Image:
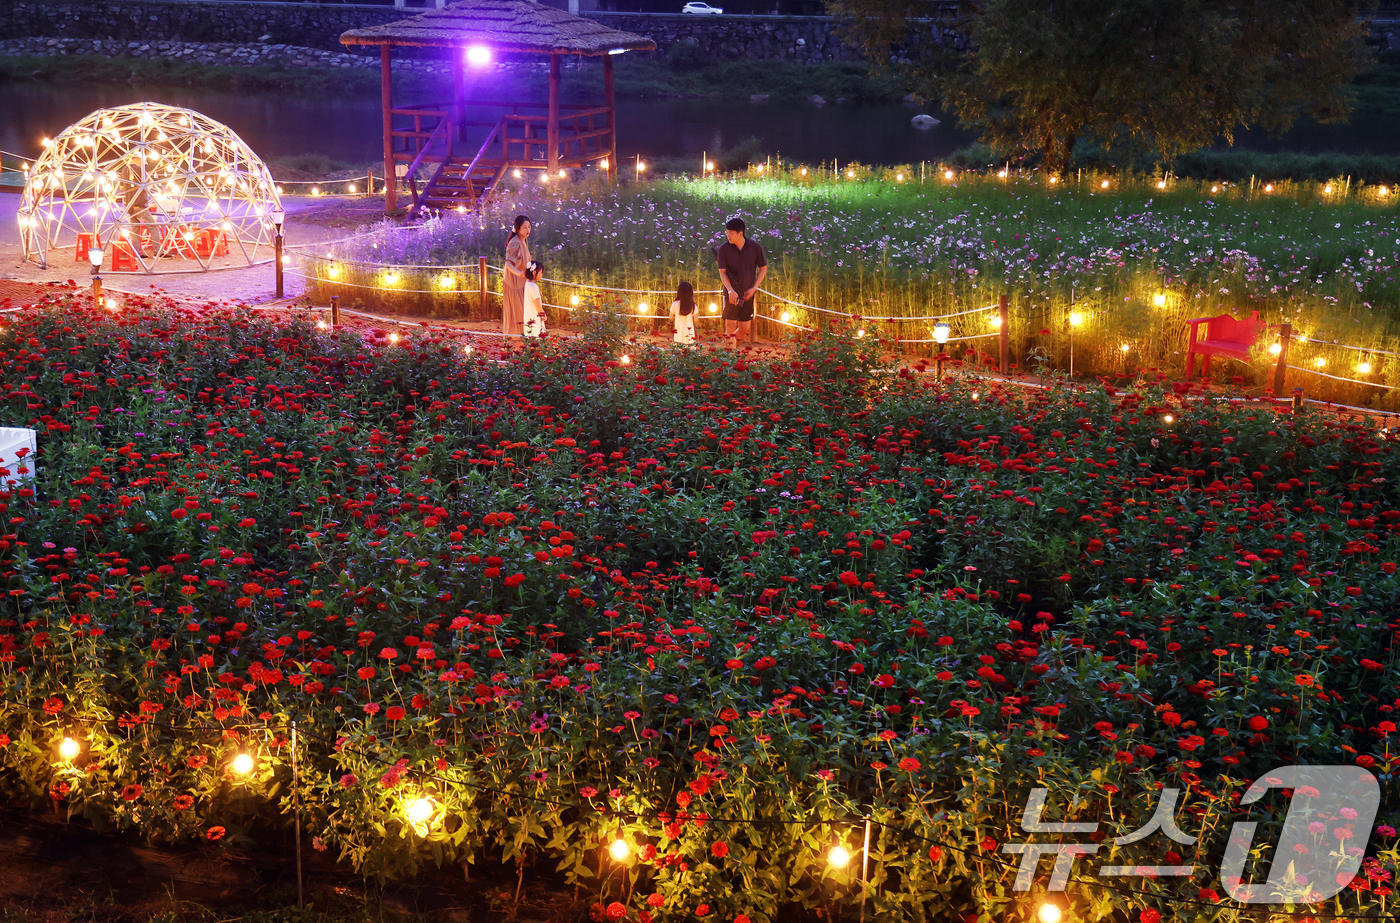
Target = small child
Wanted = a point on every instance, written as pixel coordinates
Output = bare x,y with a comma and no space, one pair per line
683,315
534,304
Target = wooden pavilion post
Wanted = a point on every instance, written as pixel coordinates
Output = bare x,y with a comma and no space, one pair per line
387,101
552,130
609,100
459,94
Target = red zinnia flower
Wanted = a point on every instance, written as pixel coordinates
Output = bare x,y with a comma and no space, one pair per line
720,849
394,712
215,833
131,792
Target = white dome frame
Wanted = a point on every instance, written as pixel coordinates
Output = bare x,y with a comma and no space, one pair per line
160,180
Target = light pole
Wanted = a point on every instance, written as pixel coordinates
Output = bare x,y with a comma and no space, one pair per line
279,215
940,336
95,255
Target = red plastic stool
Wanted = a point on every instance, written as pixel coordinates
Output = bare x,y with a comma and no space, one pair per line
86,242
123,257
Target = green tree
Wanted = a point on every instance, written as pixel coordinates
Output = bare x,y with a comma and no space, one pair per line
1167,75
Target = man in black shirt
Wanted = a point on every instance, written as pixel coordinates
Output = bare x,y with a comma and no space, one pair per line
742,267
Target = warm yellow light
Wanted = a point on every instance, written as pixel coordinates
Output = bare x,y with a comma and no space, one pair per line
1104,184
625,360
709,165
111,304
1276,348
947,174
315,190
391,278
1168,418
1383,191
1214,188
420,811
46,142
352,187
603,164
242,764
1161,184
515,173
1125,347
619,849
1054,180
761,166
1327,189
286,257
447,282
899,177
1268,187
804,171
1048,913
974,395
786,317
333,272
860,333
1160,299
279,190
643,308
1075,319
995,320
563,174
574,301
641,166
1364,368
1319,362
467,349
320,325
850,174
839,857
1002,174
713,307
544,177
69,749
393,338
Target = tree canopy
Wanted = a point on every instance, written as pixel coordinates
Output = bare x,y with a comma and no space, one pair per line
1168,75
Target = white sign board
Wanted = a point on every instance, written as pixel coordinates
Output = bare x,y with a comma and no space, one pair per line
12,441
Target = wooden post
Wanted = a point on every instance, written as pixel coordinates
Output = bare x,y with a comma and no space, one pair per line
481,283
1297,399
1004,311
552,130
609,100
277,260
369,182
335,310
459,96
386,95
1285,333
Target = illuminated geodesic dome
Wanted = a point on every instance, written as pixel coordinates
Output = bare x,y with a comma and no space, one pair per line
157,188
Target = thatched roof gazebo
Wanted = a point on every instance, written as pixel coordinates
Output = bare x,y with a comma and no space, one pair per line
475,31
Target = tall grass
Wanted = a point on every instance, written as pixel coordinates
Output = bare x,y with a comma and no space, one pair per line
1091,265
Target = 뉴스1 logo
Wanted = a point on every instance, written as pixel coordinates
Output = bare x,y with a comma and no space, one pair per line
1320,848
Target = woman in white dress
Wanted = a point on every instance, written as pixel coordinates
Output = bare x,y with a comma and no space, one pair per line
534,305
683,315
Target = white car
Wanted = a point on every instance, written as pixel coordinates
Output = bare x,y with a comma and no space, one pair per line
701,9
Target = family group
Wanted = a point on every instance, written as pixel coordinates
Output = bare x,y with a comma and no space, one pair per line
742,267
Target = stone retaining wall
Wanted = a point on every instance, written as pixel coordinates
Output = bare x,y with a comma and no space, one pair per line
211,53
808,39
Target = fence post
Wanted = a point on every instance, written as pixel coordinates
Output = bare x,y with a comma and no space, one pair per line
481,284
1004,311
1285,333
1297,399
335,310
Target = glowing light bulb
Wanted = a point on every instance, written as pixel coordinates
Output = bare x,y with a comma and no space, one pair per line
515,173
1048,913
447,282
1103,185
69,749
333,272
467,349
1075,319
643,308
1125,347
1161,184
713,307
563,174
804,171
1320,362
1383,191
46,142
574,300
641,166
320,325
709,165
603,164
1168,418
544,177
420,811
1327,190
352,187
899,177
839,857
315,190
1001,173
1214,188
478,55
1268,187
995,320
860,333
850,174
391,278
393,338
279,190
242,764
625,360
1364,368
1276,348
1160,299
619,849
786,317
974,395
947,174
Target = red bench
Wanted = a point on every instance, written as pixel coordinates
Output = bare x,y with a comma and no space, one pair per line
1224,336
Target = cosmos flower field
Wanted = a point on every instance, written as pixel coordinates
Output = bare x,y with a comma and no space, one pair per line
718,606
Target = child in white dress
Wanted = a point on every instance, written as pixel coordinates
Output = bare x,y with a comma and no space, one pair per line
534,304
683,315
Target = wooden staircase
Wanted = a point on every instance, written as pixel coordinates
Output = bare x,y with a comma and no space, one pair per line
461,185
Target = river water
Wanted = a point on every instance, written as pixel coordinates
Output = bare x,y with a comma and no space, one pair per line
348,129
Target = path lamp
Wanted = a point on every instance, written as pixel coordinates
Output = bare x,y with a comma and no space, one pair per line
940,336
279,215
95,255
